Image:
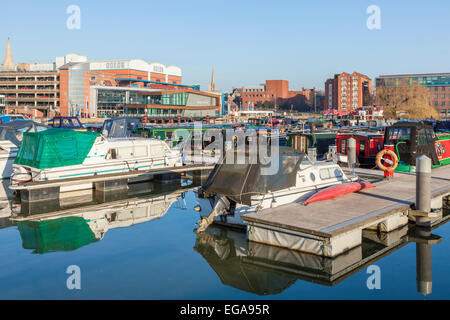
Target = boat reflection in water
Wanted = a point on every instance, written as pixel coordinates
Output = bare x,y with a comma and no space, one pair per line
72,228
264,269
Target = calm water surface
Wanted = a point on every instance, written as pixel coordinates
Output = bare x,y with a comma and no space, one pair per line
146,248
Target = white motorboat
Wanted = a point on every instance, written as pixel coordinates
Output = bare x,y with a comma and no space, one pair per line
233,190
62,154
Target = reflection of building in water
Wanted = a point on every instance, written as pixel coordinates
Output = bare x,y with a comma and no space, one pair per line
73,228
264,269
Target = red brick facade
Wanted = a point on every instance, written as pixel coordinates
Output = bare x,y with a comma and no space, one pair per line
346,92
273,90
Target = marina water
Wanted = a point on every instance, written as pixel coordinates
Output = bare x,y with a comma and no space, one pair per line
156,254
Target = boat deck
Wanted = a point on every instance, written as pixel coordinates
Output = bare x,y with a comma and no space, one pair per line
319,227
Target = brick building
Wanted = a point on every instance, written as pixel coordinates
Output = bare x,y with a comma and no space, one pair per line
347,91
276,91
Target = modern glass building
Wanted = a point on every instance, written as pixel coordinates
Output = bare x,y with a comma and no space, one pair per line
171,106
438,85
153,104
432,79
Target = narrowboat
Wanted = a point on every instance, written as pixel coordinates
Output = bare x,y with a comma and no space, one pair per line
409,139
414,139
301,141
367,147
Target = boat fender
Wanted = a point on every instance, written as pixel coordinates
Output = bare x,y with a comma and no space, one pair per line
393,163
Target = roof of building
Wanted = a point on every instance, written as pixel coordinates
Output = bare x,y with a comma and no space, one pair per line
414,75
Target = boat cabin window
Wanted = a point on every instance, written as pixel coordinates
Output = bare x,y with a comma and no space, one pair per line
431,135
330,173
422,137
343,146
127,152
399,134
324,174
56,123
112,154
362,146
425,137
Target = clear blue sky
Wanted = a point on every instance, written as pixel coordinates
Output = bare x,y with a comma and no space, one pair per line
247,41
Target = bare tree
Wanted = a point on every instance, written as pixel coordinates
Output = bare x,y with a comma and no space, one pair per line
406,102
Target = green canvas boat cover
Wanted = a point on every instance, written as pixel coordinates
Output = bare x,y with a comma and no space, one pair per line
63,234
55,148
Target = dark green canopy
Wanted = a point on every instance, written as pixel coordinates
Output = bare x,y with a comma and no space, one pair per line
55,148
63,234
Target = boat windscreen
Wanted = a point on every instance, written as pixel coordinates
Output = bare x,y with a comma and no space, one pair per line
14,131
240,182
121,127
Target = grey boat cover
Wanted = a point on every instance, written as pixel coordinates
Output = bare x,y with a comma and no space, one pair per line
13,131
239,182
122,127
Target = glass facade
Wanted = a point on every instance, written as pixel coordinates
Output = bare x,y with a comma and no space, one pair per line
76,96
111,102
169,113
426,80
174,99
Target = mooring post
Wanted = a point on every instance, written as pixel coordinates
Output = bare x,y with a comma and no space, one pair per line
351,155
423,264
423,189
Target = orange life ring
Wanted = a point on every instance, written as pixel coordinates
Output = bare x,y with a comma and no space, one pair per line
380,156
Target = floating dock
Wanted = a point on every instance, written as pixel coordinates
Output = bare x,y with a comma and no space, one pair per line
332,227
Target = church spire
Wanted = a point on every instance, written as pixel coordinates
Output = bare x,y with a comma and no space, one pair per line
212,85
8,62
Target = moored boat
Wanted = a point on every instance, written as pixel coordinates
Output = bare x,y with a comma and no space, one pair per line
236,189
61,154
414,139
